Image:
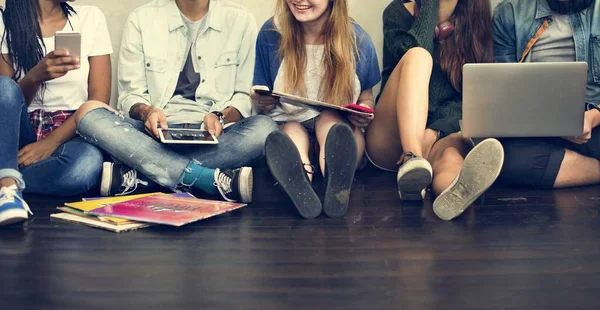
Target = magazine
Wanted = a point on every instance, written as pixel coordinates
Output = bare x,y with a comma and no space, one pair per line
166,210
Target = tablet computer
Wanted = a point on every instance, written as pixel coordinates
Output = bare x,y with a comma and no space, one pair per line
186,136
318,105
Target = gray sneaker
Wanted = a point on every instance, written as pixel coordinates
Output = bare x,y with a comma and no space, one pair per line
480,170
414,176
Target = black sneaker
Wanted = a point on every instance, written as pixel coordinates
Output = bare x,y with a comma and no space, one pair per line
119,180
235,185
340,166
287,168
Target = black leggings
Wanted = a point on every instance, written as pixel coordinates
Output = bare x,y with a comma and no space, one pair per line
534,162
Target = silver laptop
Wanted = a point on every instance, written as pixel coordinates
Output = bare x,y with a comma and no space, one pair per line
524,99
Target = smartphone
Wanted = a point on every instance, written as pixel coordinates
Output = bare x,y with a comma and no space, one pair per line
70,41
359,108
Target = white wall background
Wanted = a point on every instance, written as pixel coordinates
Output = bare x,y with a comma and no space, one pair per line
366,12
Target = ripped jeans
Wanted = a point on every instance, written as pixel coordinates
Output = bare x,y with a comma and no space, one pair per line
241,144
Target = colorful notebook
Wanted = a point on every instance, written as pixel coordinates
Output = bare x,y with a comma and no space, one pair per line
94,222
95,204
166,210
182,195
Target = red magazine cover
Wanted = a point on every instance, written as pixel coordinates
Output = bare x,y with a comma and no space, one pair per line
167,210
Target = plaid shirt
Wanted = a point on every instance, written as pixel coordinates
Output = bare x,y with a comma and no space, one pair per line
44,123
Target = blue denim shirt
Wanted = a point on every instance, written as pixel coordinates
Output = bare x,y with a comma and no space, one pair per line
516,22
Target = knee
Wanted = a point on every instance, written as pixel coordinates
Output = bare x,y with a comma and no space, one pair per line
11,97
264,125
293,128
257,129
329,116
419,56
85,108
448,157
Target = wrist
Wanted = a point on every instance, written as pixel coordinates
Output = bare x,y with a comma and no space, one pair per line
220,116
231,115
53,140
596,114
32,76
140,111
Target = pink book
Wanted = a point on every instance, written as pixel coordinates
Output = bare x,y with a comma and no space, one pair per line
167,210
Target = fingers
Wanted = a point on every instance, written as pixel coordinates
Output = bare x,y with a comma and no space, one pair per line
162,119
218,129
26,158
155,119
64,61
360,121
152,124
209,125
266,103
57,53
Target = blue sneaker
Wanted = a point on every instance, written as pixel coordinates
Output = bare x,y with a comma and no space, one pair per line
13,208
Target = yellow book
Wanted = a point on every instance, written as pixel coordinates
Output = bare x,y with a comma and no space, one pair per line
95,204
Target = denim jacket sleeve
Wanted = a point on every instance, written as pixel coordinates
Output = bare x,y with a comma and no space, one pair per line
245,71
505,41
132,83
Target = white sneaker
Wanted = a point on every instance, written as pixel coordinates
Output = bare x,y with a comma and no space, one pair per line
480,170
414,176
13,208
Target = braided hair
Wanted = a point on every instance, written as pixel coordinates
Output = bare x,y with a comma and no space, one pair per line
23,35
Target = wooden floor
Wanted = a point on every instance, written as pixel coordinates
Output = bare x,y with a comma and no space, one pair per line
516,249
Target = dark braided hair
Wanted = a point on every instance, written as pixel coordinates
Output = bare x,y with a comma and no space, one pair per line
23,35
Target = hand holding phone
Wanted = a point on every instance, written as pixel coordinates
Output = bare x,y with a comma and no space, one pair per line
54,65
261,97
360,121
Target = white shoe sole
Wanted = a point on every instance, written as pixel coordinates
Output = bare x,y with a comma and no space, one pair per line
413,178
12,216
246,184
107,175
480,170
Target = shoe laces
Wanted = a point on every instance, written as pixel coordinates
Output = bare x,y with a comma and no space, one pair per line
131,182
223,183
10,193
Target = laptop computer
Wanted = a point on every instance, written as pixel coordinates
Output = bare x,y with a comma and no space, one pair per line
524,99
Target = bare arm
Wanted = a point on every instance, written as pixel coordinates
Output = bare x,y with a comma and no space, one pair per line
366,98
99,80
28,86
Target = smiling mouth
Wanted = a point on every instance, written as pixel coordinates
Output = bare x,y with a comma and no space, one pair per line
302,7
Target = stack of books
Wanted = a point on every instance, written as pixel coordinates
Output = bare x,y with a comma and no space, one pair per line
126,213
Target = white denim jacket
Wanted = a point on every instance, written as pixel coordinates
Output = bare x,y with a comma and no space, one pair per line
153,53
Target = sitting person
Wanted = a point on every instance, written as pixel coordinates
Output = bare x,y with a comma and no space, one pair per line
183,64
39,152
564,31
417,118
314,50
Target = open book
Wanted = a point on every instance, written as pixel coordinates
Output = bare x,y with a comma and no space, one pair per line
308,103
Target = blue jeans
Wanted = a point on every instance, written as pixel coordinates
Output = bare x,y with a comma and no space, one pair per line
241,144
72,169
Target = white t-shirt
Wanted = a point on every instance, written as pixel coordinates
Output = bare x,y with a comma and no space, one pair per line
71,91
286,112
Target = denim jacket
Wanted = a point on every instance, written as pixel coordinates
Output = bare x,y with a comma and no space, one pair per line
518,23
153,53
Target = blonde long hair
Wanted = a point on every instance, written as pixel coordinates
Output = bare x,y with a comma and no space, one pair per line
339,56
